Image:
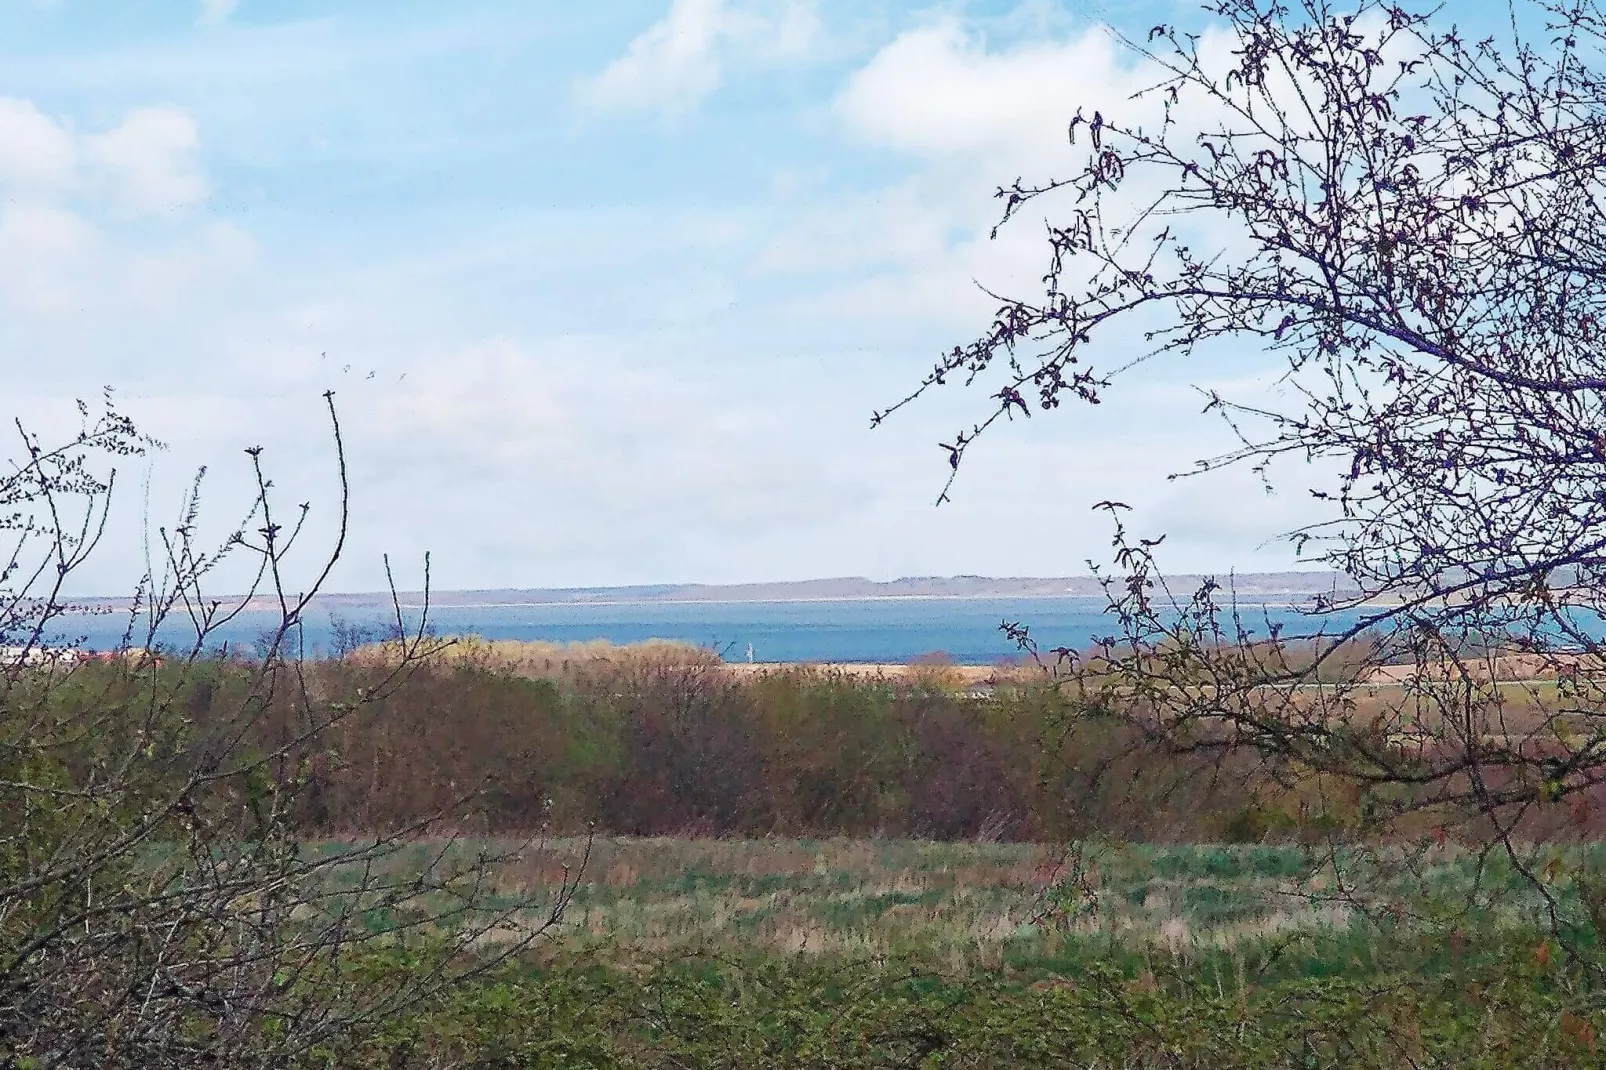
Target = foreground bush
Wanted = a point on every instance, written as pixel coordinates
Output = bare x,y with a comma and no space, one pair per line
660,745
665,741
158,904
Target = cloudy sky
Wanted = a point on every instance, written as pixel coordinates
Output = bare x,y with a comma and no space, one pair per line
607,292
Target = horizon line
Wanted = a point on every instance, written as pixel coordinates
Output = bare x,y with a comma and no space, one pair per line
672,587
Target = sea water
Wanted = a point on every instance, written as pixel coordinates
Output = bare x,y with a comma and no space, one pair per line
965,630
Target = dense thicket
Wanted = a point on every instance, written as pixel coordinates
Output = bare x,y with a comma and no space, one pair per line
158,904
660,748
668,746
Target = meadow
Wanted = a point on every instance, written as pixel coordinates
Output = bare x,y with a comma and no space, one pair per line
853,952
812,867
1028,911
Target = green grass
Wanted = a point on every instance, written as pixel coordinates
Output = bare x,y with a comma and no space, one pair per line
847,953
1029,910
805,1012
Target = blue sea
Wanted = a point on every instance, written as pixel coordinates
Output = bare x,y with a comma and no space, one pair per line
967,631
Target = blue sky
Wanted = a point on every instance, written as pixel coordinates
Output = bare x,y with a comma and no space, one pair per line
607,292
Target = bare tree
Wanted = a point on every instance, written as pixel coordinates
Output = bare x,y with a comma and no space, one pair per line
158,905
1410,225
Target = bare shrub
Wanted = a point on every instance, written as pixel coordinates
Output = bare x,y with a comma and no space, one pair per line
1406,222
159,905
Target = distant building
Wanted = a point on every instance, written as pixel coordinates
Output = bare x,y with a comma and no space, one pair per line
37,655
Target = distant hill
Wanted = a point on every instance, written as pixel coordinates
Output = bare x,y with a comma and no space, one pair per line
1254,585
1249,586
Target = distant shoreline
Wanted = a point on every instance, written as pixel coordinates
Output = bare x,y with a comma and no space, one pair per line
1278,600
1283,589
1270,599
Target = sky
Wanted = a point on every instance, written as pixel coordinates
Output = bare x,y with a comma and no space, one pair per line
607,292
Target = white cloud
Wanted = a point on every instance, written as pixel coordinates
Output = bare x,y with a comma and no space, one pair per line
148,162
66,195
939,92
796,30
942,92
672,66
37,153
678,61
969,117
216,12
47,256
150,159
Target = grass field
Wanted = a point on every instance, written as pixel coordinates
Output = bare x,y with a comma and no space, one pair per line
812,869
1029,910
855,952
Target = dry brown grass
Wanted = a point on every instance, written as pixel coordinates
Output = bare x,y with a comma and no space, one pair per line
967,904
918,673
548,660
